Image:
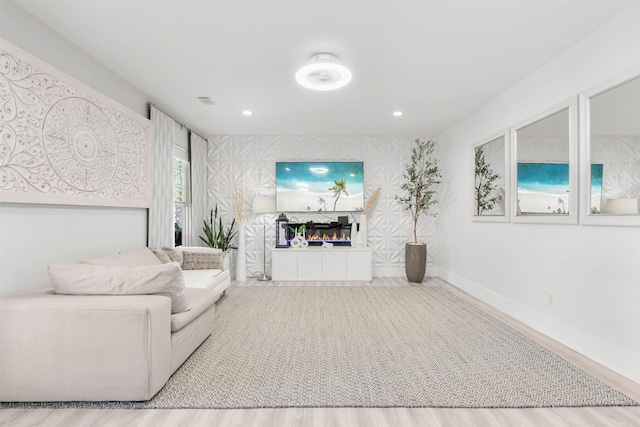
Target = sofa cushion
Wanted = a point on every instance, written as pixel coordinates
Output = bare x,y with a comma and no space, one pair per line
198,260
86,279
204,278
162,255
174,255
200,300
134,258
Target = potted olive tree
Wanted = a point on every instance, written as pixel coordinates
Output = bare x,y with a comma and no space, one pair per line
421,175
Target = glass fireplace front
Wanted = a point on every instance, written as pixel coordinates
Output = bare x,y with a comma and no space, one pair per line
317,233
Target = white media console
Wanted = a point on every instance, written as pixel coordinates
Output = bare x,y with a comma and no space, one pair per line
339,263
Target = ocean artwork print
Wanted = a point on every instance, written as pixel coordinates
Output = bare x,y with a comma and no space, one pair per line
319,186
596,187
543,188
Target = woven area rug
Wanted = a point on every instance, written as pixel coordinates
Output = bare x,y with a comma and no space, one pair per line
276,347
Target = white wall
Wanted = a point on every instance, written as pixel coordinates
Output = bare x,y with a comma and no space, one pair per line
249,163
593,271
33,236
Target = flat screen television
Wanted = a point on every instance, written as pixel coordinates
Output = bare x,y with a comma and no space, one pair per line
319,186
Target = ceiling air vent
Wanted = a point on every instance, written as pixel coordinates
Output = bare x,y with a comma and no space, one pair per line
206,100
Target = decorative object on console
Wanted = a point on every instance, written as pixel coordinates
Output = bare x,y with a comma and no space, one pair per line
354,233
262,205
282,231
65,143
298,240
420,176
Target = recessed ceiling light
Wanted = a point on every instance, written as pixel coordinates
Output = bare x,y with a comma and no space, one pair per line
323,73
397,113
246,113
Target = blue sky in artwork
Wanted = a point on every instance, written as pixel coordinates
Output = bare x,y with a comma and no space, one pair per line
317,177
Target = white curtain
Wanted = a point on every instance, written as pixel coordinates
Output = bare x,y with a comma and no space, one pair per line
198,208
161,210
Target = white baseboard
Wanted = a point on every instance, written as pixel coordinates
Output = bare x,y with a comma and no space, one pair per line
595,348
399,272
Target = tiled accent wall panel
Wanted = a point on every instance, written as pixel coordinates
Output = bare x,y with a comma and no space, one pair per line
248,163
620,156
543,149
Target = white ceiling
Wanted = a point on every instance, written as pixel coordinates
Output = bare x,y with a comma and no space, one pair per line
437,61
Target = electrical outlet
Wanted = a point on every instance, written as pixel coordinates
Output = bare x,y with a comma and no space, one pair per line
551,298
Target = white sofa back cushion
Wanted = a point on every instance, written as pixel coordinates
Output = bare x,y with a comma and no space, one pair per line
86,279
134,258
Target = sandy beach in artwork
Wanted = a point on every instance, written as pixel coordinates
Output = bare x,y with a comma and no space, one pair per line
537,202
302,201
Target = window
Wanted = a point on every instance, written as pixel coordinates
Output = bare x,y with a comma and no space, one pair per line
180,196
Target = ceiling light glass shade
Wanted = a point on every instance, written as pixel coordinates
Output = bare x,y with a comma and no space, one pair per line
323,73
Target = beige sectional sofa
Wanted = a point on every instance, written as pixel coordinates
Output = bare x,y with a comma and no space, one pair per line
101,347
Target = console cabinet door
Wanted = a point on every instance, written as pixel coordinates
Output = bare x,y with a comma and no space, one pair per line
284,265
334,266
309,265
359,265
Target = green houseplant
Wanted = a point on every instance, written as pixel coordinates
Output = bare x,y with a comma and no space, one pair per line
216,234
421,175
485,183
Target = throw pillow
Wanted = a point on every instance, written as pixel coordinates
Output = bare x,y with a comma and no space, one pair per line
202,260
86,279
134,258
162,255
174,255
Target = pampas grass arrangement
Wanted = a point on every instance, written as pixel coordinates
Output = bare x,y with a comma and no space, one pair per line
372,201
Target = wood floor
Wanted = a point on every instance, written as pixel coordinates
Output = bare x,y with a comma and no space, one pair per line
370,417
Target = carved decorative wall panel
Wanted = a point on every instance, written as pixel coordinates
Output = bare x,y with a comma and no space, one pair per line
61,142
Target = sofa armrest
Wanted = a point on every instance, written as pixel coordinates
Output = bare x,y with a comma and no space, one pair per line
75,347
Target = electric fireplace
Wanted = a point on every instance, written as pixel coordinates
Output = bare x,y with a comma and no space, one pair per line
317,233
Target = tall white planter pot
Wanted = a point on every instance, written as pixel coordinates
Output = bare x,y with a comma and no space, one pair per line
361,239
241,253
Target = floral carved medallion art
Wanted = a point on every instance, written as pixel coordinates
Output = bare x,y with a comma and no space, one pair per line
62,142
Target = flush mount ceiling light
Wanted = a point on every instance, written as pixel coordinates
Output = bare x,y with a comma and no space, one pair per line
323,73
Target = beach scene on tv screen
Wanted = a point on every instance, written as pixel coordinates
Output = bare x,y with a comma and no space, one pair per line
320,186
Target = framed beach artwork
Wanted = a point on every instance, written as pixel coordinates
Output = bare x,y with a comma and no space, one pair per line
320,186
543,188
64,143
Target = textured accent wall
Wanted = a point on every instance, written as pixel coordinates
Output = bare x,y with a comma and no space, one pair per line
620,156
248,163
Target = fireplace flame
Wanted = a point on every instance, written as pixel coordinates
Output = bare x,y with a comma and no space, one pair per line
326,237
